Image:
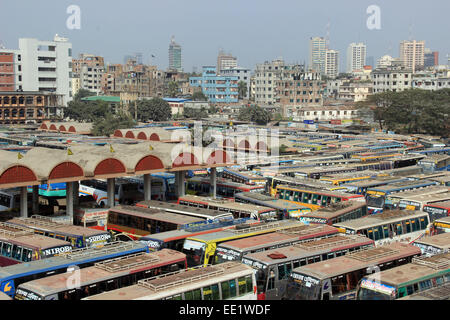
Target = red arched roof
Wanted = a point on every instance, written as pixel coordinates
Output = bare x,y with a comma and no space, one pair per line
53,127
228,143
62,128
17,174
72,129
43,126
244,144
142,136
218,156
154,137
118,133
64,170
148,163
109,166
129,134
185,159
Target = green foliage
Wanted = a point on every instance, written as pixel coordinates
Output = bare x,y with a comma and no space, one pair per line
173,89
199,96
86,111
83,93
155,109
195,113
255,114
107,124
411,111
213,109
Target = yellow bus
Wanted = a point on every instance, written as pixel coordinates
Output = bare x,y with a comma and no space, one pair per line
339,179
201,249
299,182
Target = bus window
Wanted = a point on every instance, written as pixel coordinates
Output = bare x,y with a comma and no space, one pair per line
296,196
271,282
27,255
380,232
370,234
314,198
408,226
16,252
424,285
399,229
282,272
423,223
207,293
415,224
302,262
386,232
6,249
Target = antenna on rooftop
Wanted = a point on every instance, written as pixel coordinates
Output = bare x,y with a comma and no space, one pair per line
327,39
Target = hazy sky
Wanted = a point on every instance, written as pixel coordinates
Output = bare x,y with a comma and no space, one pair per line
252,30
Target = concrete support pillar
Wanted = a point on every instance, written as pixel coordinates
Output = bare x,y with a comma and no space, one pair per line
147,186
182,180
35,206
69,199
76,193
213,183
24,202
179,183
111,193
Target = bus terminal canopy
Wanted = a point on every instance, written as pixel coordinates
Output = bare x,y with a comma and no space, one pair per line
43,165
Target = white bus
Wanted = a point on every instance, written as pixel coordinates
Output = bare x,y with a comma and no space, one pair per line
125,191
10,199
226,281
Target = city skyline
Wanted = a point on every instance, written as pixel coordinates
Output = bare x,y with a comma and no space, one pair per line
253,37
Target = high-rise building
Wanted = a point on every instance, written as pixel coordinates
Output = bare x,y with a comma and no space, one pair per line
265,81
356,57
412,54
225,61
431,58
331,63
175,56
44,66
317,50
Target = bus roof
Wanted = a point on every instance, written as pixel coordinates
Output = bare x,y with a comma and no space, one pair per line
403,185
269,201
440,240
440,204
441,292
357,260
338,194
436,158
422,267
379,181
306,249
385,217
37,241
189,279
335,209
436,197
174,207
105,270
445,220
109,250
349,175
307,182
155,214
433,189
222,181
225,203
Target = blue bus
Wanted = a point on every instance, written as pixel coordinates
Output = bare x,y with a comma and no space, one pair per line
12,276
430,151
51,190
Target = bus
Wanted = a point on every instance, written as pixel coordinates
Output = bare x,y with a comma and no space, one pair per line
340,179
437,162
336,212
431,151
243,177
421,274
376,197
103,276
131,222
95,218
237,249
125,191
441,225
226,281
418,202
285,209
12,276
389,226
201,249
224,188
393,200
237,209
175,239
438,210
316,173
272,267
440,292
10,200
51,190
338,279
18,244
162,185
203,213
434,245
78,236
360,187
299,182
314,198
442,180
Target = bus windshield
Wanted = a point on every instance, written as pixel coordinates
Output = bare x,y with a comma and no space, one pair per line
225,254
375,201
22,294
373,290
306,289
194,251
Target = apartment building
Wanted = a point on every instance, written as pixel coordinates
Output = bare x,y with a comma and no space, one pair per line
391,79
242,74
265,79
317,50
89,69
225,61
412,54
331,63
356,57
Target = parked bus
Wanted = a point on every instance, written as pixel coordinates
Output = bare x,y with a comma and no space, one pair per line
441,225
125,191
437,162
10,200
132,222
431,151
434,245
18,244
203,213
336,212
338,279
227,281
442,180
376,197
51,190
201,249
238,210
440,292
438,210
224,188
175,239
237,249
78,236
12,276
103,276
314,198
360,187
299,183
285,209
393,200
162,185
272,267
421,274
316,173
95,218
243,177
389,226
340,179
418,202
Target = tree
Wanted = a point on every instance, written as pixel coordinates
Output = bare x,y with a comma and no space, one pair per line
242,89
195,113
106,125
199,96
173,89
255,114
213,109
155,109
86,111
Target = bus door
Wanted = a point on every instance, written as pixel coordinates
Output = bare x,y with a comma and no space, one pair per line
271,291
326,290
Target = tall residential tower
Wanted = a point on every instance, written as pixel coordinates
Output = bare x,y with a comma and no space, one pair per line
175,56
